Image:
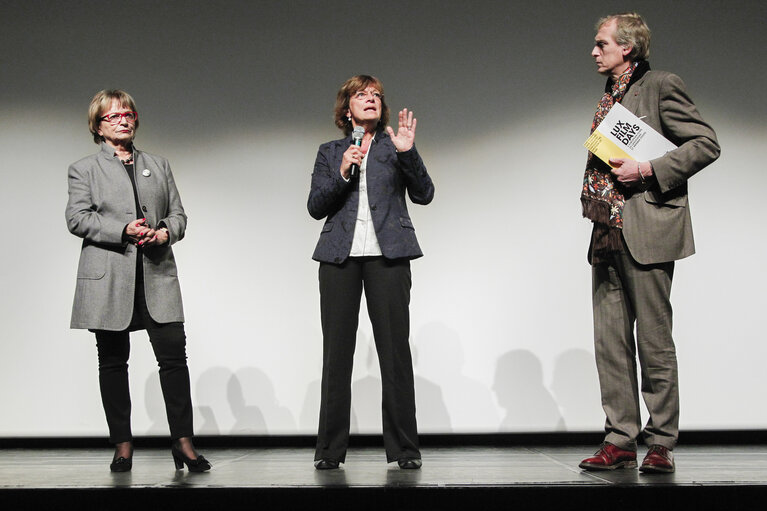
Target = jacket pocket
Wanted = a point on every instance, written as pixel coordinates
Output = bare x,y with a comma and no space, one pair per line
670,199
93,263
159,261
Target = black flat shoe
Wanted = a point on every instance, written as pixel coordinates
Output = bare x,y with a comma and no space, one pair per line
200,464
409,463
120,463
326,464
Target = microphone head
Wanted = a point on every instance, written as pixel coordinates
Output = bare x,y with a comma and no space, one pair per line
358,133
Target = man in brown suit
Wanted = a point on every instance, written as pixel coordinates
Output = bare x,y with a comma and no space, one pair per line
641,226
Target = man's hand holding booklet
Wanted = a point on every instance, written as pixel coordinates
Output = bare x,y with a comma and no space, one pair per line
622,134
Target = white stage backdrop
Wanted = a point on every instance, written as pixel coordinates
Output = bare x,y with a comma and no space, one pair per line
239,95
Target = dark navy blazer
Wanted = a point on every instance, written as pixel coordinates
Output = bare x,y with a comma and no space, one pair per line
388,175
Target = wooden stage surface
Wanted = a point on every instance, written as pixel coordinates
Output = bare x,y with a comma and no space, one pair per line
478,477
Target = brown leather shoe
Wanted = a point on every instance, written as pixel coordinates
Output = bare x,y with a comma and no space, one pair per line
610,457
659,459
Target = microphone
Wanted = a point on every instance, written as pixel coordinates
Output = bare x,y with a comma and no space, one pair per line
357,135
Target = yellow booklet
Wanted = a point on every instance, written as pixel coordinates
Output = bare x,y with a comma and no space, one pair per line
622,134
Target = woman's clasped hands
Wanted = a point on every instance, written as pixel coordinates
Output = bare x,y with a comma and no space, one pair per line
141,235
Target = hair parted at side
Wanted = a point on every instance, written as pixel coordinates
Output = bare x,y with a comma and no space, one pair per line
351,86
101,103
630,30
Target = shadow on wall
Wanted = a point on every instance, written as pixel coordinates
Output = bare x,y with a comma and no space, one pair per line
364,390
432,413
366,415
576,389
520,391
256,414
518,386
441,385
155,405
209,394
253,406
310,411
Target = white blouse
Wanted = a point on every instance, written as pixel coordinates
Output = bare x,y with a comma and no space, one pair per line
365,242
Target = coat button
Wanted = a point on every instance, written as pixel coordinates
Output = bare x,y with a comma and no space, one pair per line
373,207
143,208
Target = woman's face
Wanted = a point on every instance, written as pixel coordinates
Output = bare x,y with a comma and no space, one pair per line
365,106
121,130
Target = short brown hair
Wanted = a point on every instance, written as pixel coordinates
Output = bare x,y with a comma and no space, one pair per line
630,30
350,86
100,103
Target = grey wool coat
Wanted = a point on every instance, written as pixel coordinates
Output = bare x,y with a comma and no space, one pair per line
389,175
656,222
101,203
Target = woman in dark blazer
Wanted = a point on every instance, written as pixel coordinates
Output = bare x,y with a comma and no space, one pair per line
367,241
124,204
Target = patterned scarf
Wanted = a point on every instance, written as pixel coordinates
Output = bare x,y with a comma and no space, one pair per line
602,198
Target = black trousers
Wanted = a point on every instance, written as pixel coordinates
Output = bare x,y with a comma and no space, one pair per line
169,344
387,292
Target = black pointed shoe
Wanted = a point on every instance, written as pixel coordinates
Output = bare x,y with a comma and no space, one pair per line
326,464
409,463
121,463
199,464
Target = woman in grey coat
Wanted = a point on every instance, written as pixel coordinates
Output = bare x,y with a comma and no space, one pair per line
124,203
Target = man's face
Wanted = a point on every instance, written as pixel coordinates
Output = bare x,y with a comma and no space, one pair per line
611,58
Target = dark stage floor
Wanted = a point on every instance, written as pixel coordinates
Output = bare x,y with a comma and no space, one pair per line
707,477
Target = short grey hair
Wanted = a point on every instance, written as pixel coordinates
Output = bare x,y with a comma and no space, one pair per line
630,30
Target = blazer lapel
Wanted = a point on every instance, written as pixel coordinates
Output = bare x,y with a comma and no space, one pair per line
115,179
